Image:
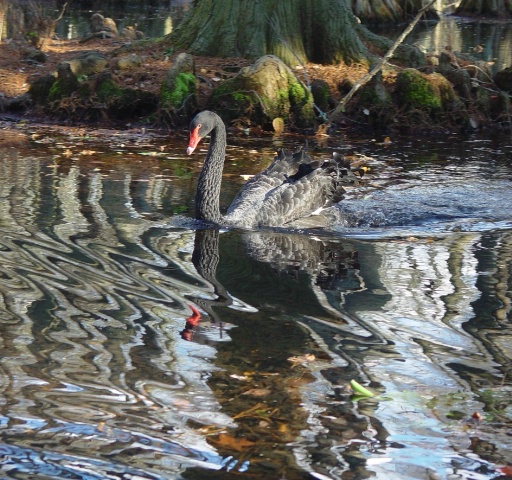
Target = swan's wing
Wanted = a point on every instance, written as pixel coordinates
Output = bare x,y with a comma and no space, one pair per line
292,187
254,193
296,200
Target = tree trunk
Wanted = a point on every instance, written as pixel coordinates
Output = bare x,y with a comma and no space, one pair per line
3,13
297,31
497,8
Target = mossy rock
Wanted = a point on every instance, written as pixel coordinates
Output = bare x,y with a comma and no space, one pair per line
100,24
39,89
444,89
410,55
133,103
433,95
263,91
127,62
322,94
35,55
179,90
65,84
233,99
415,91
374,93
184,86
105,88
503,79
119,102
87,64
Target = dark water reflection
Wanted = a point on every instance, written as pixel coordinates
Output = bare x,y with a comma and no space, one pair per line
97,380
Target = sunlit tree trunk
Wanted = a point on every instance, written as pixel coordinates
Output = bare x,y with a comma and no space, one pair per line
321,31
3,13
498,8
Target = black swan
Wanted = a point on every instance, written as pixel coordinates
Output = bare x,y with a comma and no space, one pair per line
292,187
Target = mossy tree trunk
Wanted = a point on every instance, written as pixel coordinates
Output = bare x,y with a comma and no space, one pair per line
498,8
321,31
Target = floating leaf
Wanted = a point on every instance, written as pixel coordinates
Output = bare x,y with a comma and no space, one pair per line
235,443
278,124
477,416
302,359
357,387
257,392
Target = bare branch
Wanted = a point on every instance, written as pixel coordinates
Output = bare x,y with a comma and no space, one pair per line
378,67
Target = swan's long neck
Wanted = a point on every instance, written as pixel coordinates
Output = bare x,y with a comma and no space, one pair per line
208,185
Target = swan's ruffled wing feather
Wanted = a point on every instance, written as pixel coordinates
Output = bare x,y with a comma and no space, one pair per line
292,187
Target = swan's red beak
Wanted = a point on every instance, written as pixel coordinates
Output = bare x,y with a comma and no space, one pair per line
194,140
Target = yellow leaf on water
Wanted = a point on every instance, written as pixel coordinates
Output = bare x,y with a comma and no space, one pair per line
278,124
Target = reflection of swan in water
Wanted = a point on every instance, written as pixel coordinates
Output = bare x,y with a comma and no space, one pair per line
293,186
206,259
330,265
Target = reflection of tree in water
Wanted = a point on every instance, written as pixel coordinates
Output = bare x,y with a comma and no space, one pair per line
491,325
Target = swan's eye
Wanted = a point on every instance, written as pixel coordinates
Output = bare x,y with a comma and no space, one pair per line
199,126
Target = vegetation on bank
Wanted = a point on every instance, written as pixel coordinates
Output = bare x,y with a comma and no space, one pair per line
444,92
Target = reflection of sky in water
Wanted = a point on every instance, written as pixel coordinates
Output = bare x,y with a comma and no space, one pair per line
464,36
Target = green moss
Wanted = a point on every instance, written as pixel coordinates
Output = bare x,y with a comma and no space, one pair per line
184,86
301,105
60,89
298,94
416,91
233,99
321,94
107,90
241,97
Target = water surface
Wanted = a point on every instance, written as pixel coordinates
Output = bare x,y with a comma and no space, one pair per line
105,372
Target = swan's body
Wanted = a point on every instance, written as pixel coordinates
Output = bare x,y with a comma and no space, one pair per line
293,186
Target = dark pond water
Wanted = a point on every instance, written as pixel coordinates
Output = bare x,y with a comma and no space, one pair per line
106,373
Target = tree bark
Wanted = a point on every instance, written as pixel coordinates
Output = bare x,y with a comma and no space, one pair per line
4,4
297,31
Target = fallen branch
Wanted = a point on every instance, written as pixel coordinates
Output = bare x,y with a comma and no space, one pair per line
378,67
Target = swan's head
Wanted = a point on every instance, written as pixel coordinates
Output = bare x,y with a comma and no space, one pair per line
202,124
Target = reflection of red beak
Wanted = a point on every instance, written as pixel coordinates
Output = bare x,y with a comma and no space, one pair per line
194,140
195,318
187,335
